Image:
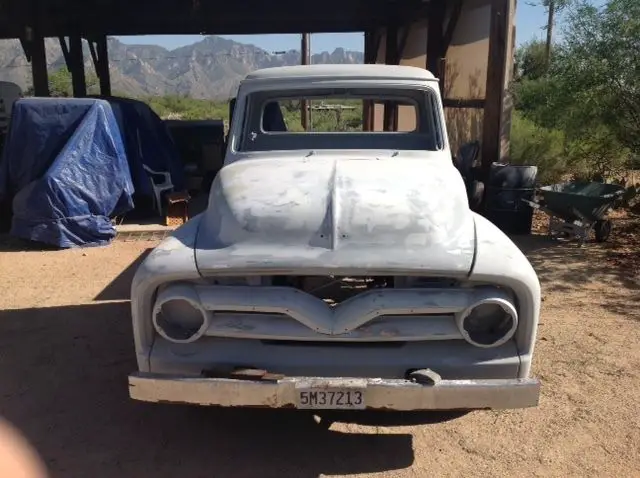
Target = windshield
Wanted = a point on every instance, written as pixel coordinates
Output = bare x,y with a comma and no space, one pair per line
355,118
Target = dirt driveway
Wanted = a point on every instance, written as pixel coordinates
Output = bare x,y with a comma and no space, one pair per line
66,350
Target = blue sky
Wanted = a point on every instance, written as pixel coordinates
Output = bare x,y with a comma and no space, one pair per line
529,21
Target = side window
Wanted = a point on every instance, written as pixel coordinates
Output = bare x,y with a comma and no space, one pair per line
244,112
232,107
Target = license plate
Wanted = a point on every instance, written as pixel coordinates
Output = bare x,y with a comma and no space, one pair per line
331,398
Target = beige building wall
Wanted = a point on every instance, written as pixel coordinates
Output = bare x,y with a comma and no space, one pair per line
466,71
465,74
415,54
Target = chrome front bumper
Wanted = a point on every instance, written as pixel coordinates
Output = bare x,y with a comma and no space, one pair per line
387,394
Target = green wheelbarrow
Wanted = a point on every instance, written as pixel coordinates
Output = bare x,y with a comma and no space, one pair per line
577,208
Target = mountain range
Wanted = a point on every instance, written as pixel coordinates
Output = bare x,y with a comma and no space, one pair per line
208,69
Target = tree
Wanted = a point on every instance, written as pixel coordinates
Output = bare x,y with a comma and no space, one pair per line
535,93
530,61
598,66
590,90
553,7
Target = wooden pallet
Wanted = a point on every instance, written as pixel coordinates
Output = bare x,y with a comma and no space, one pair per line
142,236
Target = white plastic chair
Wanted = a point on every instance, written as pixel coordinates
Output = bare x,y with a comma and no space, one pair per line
158,189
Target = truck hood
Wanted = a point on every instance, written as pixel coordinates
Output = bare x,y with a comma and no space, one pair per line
321,215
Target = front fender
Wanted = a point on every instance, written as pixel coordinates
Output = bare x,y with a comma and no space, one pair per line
172,260
499,261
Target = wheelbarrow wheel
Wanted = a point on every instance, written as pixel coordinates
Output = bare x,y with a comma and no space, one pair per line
602,230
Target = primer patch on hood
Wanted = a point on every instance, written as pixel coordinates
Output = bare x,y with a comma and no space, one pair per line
339,212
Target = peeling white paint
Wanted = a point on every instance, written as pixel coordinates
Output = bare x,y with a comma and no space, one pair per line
378,393
404,212
355,212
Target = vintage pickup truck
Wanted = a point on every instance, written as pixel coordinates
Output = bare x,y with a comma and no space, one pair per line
337,269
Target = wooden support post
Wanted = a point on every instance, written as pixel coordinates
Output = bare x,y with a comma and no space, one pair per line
39,72
76,66
94,54
370,56
100,56
102,68
435,35
447,37
392,57
64,47
442,76
403,41
304,105
495,88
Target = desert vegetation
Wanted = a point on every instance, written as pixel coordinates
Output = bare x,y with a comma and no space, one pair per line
577,103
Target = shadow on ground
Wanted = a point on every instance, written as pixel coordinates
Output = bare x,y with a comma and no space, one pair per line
120,287
64,370
63,373
566,268
9,243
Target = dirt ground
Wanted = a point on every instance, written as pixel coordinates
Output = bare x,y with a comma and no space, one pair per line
66,350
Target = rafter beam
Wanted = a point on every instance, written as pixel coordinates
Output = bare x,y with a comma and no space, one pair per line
36,53
76,66
451,26
98,17
435,35
64,46
102,67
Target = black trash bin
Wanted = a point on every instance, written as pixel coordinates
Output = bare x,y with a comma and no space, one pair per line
508,184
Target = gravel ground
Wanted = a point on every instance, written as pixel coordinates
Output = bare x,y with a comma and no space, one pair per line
66,350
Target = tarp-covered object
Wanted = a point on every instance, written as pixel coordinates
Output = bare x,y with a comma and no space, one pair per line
147,142
64,164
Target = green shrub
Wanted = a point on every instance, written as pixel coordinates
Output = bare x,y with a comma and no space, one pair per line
534,145
597,155
187,108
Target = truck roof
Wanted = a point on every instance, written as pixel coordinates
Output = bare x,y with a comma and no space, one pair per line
342,71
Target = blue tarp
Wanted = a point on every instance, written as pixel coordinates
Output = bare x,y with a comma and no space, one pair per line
147,141
65,165
63,162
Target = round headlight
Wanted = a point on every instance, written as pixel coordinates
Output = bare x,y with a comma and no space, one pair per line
489,322
180,320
